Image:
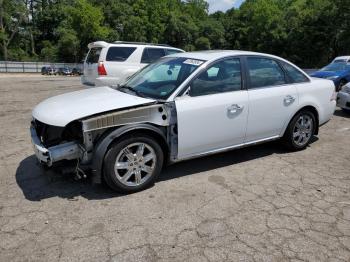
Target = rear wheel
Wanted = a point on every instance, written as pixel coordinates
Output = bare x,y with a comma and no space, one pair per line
133,164
346,110
300,130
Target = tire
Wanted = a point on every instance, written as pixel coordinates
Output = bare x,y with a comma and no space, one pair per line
134,171
342,83
346,110
300,132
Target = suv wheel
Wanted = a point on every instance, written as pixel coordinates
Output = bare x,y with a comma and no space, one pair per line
300,130
133,164
346,110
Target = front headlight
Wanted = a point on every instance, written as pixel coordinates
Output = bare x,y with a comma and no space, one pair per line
332,77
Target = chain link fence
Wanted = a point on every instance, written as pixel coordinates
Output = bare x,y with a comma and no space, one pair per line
32,67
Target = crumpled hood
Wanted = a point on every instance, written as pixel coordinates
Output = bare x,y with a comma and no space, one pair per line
63,109
324,74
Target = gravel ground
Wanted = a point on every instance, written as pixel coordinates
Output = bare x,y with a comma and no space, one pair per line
256,204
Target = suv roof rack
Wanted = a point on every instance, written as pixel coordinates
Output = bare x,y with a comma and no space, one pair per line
139,43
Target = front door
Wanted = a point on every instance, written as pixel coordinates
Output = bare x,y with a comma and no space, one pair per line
213,115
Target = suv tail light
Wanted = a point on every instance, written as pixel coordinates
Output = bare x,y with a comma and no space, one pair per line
101,69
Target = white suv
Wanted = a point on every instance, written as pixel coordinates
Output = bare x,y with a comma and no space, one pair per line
111,64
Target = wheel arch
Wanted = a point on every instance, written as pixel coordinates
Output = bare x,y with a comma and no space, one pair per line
310,108
114,135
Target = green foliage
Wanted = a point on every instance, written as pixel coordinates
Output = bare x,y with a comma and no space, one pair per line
202,43
49,52
308,32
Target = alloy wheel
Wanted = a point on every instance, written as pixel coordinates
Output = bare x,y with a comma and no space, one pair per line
135,164
303,130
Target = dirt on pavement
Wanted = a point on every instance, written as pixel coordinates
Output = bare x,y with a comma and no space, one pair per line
255,204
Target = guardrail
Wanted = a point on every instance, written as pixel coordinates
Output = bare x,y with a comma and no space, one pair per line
35,67
32,67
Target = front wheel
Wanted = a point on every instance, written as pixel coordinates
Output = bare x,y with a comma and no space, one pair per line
133,164
300,130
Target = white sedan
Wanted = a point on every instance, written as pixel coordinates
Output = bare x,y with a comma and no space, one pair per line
183,106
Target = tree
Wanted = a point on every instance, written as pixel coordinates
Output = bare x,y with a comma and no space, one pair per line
299,30
202,43
82,23
11,18
49,52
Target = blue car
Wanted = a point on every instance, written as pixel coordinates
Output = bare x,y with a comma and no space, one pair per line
339,72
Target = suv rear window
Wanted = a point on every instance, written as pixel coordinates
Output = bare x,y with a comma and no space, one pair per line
152,54
119,54
172,51
94,55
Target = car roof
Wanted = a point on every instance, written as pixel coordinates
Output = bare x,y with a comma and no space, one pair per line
211,55
104,44
342,57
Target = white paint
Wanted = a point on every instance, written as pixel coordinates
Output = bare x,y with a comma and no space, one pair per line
268,111
63,109
117,72
205,123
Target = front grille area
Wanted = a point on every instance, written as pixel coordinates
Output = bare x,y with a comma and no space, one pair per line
48,135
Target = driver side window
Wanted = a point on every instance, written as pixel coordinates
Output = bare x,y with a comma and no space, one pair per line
223,76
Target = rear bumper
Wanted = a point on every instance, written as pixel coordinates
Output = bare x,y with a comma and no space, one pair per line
48,156
343,100
85,82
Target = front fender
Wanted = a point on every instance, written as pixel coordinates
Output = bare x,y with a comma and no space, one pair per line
102,146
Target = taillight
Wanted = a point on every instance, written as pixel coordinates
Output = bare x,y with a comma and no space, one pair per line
101,69
334,96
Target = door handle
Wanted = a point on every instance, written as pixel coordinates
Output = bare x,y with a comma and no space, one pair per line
235,109
289,99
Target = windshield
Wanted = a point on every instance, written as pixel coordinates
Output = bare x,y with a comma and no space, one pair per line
336,67
160,79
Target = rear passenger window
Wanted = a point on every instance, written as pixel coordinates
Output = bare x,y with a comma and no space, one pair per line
294,74
264,72
94,55
119,54
152,54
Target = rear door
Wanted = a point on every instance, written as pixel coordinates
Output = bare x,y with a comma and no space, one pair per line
272,98
121,62
90,65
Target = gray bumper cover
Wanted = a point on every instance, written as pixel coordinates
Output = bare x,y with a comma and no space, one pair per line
48,156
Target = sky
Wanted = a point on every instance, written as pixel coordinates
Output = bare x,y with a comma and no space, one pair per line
223,5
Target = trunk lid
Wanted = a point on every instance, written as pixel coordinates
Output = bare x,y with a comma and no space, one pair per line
92,59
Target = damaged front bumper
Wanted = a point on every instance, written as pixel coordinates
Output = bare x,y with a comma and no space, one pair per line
48,156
